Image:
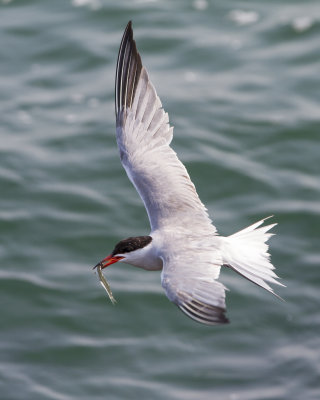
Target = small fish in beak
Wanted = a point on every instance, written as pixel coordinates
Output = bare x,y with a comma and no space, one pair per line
103,281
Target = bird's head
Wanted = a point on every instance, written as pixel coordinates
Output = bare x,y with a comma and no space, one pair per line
127,250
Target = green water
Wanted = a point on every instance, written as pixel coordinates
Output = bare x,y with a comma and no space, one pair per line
240,81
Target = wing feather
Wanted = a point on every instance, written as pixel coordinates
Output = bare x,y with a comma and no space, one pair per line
190,282
204,313
143,137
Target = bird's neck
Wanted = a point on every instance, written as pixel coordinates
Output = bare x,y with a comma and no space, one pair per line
146,258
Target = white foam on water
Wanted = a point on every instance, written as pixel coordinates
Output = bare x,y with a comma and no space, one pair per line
242,17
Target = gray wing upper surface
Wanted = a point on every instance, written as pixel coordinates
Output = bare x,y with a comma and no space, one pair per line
143,137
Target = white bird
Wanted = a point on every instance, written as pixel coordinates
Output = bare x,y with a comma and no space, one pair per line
183,243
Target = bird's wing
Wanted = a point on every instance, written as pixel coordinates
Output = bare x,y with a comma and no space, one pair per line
189,280
143,137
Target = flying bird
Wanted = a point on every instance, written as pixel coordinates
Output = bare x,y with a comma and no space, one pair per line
183,244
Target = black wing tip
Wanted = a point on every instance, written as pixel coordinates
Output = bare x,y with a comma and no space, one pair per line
204,313
128,70
128,31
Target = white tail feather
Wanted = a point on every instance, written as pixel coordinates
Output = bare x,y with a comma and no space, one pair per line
246,252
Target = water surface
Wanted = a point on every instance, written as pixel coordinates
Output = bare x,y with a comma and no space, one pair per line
241,84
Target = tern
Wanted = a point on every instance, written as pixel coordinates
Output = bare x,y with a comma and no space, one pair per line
183,244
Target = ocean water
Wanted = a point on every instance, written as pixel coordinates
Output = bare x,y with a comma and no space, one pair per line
240,81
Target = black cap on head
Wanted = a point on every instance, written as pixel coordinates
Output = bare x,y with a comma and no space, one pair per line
131,244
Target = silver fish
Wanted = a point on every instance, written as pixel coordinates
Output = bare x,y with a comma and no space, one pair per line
105,284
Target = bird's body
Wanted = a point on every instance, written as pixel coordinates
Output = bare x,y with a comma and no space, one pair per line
183,242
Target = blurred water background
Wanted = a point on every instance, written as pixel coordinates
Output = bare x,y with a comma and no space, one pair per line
240,81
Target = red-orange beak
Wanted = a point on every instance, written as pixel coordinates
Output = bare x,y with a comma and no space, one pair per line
108,261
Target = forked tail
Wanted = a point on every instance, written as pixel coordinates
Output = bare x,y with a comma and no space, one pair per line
246,252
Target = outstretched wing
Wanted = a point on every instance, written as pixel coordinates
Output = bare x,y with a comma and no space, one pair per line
190,282
143,137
